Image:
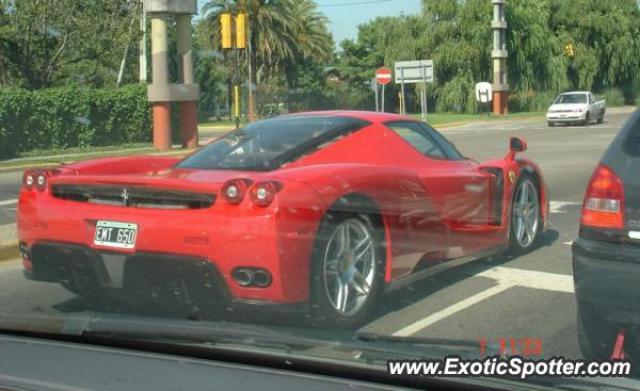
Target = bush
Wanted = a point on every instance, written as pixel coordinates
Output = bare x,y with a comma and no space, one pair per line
530,101
614,97
72,117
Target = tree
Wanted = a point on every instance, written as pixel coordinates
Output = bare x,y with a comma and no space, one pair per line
280,32
45,43
605,37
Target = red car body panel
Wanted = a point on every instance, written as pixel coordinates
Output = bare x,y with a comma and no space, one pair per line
432,210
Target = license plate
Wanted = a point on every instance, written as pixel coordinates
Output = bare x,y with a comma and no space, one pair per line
115,234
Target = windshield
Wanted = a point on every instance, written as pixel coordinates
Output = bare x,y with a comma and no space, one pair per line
572,98
267,144
366,184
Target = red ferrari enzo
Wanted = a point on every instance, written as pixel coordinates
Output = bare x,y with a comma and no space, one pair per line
323,211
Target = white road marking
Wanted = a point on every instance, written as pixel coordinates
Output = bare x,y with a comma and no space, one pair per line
569,243
507,278
459,306
8,202
530,279
558,206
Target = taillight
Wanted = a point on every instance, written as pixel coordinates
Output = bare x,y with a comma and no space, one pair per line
233,191
603,205
263,193
29,179
37,178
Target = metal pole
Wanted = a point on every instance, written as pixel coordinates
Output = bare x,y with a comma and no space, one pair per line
382,99
424,91
402,96
375,92
237,90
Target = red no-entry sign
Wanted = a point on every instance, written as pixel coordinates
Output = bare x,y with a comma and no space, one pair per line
383,76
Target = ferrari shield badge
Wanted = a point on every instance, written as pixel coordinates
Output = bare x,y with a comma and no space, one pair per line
512,176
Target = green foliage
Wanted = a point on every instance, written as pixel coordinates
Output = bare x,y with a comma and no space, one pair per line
457,36
72,117
614,97
530,101
62,42
283,35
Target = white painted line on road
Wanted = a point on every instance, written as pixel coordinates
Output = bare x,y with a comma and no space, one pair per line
569,243
558,206
457,307
530,279
507,278
8,202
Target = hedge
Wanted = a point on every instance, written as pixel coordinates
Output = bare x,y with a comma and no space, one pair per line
72,117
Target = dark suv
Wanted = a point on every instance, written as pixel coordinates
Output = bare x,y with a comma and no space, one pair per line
606,255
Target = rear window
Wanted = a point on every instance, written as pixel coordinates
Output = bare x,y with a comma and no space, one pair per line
572,98
266,145
631,143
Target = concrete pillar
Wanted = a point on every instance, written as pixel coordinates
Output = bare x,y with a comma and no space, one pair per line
161,91
188,109
499,57
160,74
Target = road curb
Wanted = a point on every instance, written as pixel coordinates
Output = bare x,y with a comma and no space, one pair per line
9,252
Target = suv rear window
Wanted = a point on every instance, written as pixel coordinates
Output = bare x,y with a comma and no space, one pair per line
631,143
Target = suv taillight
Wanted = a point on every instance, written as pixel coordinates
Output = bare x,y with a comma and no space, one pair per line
603,205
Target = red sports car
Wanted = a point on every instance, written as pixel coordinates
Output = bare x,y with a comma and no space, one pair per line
323,211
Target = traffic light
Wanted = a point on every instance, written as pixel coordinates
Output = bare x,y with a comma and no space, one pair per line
569,51
241,30
225,30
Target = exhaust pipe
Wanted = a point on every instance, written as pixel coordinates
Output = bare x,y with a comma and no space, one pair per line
243,276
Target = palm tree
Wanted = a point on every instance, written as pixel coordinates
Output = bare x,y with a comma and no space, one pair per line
280,33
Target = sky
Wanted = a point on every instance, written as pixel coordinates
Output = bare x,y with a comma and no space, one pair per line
345,15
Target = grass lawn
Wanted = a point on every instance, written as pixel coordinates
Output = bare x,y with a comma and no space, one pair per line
220,124
445,118
433,119
52,156
44,158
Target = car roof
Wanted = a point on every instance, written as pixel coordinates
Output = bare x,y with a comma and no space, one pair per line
370,116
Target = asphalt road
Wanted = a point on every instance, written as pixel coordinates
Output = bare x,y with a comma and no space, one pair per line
528,297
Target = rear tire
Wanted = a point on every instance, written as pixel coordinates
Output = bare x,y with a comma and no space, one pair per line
551,124
525,221
601,118
347,276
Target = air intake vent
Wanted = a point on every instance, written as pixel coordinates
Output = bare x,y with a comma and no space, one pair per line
133,197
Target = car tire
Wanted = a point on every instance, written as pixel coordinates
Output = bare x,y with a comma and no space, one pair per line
596,337
525,215
551,124
327,308
601,118
587,119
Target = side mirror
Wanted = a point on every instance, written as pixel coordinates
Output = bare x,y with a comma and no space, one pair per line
516,144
